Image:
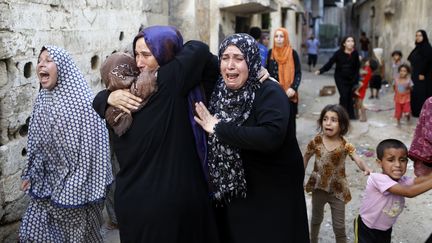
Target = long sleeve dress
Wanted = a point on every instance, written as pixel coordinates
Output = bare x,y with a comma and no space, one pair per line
161,193
272,67
274,209
346,76
421,64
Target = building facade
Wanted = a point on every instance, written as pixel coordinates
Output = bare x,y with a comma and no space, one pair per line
90,30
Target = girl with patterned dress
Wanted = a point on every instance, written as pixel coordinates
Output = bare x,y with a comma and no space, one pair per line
328,182
69,168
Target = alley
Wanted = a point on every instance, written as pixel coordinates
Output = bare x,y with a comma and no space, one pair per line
412,225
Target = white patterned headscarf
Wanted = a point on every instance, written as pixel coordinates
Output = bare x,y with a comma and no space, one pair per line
68,147
232,106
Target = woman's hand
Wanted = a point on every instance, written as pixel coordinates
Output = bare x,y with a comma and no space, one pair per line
25,185
421,77
204,118
263,74
290,92
124,100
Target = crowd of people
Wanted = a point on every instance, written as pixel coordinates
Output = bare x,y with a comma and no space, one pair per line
204,147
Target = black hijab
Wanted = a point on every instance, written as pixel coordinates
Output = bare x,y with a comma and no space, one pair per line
422,48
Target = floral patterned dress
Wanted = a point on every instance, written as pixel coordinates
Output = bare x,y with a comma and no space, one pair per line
329,168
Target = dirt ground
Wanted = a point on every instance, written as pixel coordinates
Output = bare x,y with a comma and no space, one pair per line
413,223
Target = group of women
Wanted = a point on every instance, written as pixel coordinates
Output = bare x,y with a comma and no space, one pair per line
247,187
243,182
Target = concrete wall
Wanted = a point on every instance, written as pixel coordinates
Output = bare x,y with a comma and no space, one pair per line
90,30
394,25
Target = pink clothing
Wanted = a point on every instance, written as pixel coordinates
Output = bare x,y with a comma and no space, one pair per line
379,208
402,89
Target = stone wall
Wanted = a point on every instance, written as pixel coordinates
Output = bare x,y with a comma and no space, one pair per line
90,30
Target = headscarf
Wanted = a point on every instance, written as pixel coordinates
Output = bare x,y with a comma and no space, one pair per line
423,48
233,107
164,43
285,60
119,71
421,146
68,148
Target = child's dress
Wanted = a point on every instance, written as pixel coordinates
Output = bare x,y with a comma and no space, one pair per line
329,168
402,97
365,82
375,82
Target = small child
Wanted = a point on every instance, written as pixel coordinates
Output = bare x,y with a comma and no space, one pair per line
383,199
378,74
119,71
402,95
328,182
396,62
369,67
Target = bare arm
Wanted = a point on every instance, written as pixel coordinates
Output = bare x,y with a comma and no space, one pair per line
306,158
361,164
421,185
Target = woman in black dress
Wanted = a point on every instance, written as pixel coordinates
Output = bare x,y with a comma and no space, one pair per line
161,191
346,74
255,164
284,65
421,65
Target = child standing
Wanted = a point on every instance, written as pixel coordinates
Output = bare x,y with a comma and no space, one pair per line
396,62
370,66
376,79
328,182
402,96
385,193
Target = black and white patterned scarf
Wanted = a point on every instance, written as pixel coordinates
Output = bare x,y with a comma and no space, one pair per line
68,149
226,171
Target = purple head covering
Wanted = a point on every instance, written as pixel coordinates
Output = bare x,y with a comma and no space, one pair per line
164,42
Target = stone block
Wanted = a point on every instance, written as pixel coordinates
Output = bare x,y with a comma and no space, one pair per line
11,185
15,210
3,74
14,158
9,232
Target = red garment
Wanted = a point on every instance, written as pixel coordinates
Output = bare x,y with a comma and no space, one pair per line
365,82
421,146
402,88
402,108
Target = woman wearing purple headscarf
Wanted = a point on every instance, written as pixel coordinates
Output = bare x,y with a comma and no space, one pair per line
162,194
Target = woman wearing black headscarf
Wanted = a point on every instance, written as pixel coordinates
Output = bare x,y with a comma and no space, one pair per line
421,64
255,164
